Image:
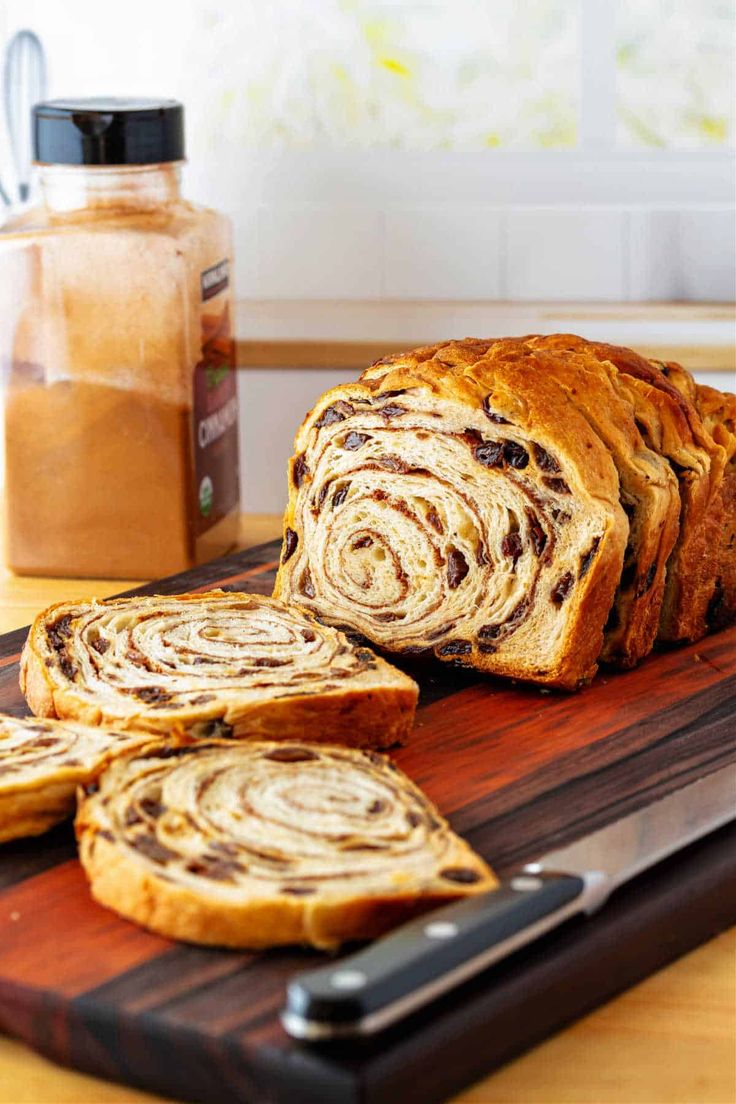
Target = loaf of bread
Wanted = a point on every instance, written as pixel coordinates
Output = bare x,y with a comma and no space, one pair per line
456,501
260,843
41,764
526,506
222,664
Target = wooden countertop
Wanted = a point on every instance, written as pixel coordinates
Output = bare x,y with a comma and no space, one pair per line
350,334
669,1040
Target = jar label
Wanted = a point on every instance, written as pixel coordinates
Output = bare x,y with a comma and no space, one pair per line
216,453
215,279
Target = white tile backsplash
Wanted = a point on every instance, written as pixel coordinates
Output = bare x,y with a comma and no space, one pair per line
707,247
469,253
320,253
273,404
443,253
688,253
565,253
654,260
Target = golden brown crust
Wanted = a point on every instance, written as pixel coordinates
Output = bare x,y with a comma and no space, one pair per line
671,425
248,846
718,412
41,764
648,492
33,812
475,391
212,663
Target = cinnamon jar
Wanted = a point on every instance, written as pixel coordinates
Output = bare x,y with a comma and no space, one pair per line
121,409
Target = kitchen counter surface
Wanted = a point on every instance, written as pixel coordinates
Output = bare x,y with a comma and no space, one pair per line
349,334
669,1040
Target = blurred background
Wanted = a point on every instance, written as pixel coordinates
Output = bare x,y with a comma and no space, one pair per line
394,156
440,138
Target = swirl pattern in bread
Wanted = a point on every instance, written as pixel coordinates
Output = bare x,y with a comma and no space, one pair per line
223,664
261,843
41,764
456,501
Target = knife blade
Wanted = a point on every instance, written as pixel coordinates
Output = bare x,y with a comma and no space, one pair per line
366,992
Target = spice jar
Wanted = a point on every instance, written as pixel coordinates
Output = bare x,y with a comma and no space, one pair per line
121,409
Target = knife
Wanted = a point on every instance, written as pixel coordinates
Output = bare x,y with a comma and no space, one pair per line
368,991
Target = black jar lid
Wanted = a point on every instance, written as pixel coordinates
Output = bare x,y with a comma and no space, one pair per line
107,130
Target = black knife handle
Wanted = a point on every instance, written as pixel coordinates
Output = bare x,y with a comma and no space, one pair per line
365,992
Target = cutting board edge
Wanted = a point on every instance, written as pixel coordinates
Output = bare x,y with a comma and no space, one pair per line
86,1035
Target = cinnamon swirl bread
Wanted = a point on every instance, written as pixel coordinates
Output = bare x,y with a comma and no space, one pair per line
258,844
41,764
457,501
718,412
648,492
671,425
223,664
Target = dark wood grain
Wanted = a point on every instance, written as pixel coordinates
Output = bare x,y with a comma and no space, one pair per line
517,770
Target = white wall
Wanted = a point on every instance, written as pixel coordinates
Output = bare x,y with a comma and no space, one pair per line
470,251
347,140
272,407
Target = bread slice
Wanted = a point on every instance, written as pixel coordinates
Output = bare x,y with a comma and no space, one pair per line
41,764
455,501
649,495
670,425
718,412
261,843
218,663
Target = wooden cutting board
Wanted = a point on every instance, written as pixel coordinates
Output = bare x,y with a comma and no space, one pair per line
517,771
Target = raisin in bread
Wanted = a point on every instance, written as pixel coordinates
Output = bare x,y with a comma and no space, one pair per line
457,501
259,844
219,663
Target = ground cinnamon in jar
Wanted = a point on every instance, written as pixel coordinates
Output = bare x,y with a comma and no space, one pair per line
121,413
